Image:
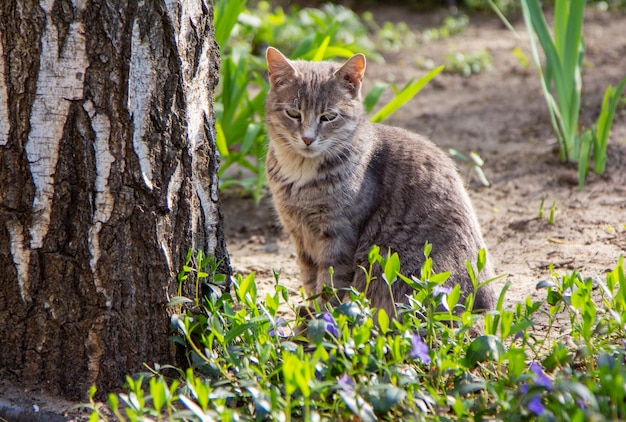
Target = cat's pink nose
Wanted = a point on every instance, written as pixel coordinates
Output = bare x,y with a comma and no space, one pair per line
307,140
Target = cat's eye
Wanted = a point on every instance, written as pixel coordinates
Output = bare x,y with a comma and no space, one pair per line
293,113
328,117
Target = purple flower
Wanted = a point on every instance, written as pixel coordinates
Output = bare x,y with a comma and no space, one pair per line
331,324
439,290
419,349
346,383
541,379
523,388
276,330
535,406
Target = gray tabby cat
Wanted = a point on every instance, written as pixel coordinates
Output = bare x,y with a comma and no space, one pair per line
342,184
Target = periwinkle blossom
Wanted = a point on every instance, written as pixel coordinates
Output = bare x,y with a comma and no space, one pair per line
567,292
523,388
535,406
331,324
541,379
441,290
276,330
346,383
419,349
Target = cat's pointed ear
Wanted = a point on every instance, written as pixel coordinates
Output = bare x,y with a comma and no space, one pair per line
351,73
279,68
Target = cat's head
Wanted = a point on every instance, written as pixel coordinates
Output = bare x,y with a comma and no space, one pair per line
313,108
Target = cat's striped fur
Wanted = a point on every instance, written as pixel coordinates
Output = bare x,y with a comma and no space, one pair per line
341,184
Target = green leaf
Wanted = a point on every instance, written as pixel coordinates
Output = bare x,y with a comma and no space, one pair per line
584,156
158,393
373,255
440,278
545,284
193,407
383,321
358,406
466,387
335,51
392,268
252,132
236,330
482,349
605,121
428,247
349,309
384,397
226,15
502,295
405,95
373,96
246,287
452,299
178,300
458,155
316,329
321,50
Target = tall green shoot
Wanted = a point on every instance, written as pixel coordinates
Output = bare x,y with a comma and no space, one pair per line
562,73
561,82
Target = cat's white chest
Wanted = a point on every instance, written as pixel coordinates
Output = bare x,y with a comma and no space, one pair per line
297,169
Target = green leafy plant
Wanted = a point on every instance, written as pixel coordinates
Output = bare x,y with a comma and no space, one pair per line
599,134
246,362
451,25
474,164
562,83
563,68
467,64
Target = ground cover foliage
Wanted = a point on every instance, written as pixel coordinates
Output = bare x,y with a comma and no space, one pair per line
244,361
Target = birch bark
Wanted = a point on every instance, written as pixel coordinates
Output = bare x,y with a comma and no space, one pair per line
107,177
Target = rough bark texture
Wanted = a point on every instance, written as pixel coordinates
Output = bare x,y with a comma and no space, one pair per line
107,177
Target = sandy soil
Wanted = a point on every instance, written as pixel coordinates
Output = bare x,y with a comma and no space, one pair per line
501,114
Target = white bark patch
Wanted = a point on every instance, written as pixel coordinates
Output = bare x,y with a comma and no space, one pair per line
173,187
141,85
198,100
4,103
21,257
104,200
197,111
162,228
60,80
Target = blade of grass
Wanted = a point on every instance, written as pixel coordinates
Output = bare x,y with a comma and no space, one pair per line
405,95
585,153
220,140
535,24
226,15
373,96
605,121
321,50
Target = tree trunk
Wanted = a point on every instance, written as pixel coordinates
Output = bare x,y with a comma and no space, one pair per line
108,174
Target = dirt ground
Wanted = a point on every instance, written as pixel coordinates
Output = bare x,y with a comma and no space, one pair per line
501,114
